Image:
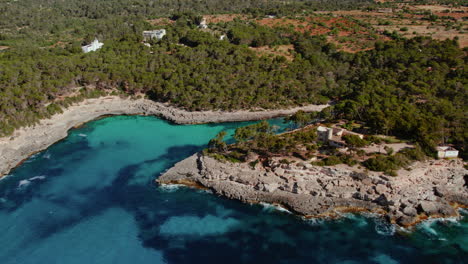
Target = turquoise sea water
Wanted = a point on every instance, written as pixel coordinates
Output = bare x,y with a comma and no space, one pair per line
91,198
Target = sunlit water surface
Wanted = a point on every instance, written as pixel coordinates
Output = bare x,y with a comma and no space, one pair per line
91,198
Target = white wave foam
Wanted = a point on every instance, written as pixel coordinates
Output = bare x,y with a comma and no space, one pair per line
82,135
360,220
204,191
170,187
23,183
46,156
41,177
273,207
5,176
426,227
384,228
315,221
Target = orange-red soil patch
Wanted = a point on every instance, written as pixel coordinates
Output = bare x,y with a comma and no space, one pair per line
161,21
223,18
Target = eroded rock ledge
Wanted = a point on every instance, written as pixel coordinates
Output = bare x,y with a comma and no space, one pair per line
429,189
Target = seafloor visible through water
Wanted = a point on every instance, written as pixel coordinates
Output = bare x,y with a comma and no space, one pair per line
91,198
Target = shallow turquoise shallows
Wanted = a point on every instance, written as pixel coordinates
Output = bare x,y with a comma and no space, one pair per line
91,198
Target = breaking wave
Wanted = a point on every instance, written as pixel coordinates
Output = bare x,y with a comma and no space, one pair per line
384,228
25,183
267,207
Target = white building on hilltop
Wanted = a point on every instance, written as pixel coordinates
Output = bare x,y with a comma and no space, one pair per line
95,45
203,24
446,152
154,34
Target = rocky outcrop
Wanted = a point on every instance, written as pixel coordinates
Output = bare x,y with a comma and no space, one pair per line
427,189
29,140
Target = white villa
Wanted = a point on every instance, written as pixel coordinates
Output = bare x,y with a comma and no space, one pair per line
95,45
203,24
154,34
446,152
333,135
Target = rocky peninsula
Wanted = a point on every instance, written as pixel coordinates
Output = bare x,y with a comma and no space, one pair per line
26,141
428,189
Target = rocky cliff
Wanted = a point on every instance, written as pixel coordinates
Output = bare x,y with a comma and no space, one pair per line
427,189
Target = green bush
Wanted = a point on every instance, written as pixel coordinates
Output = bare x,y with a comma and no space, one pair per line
380,163
355,141
392,163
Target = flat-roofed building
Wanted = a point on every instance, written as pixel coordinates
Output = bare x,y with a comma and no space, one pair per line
154,34
446,152
95,45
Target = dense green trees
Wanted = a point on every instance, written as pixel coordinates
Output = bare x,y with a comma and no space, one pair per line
416,89
409,88
255,35
301,118
217,143
260,138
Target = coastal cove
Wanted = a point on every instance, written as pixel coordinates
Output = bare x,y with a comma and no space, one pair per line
29,140
91,198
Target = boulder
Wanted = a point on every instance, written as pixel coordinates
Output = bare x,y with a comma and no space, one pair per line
410,211
358,196
270,187
440,191
427,207
380,189
359,176
251,156
279,171
405,220
383,201
367,181
446,210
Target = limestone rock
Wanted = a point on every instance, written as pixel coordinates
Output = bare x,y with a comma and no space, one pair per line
405,220
270,187
381,189
313,190
428,207
410,211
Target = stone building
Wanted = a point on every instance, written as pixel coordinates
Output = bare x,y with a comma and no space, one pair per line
333,135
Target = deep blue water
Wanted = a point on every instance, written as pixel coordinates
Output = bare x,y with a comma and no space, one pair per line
91,198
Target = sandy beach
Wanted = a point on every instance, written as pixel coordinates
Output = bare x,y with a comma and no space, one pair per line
29,140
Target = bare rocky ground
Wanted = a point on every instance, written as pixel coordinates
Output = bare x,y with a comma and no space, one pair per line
29,140
430,189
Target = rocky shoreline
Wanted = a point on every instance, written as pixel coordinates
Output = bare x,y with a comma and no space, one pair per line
27,141
430,189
